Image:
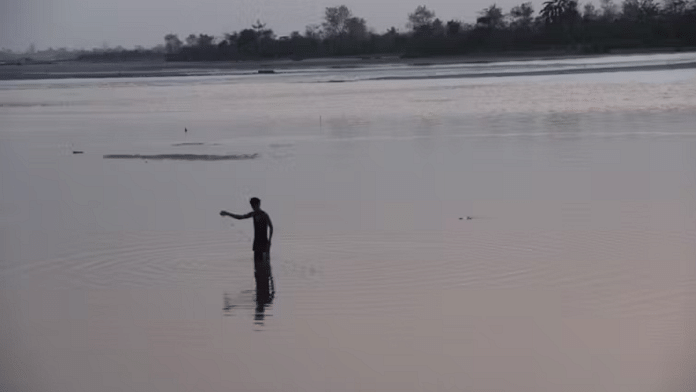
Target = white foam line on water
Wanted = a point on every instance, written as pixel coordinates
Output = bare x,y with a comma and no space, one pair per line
496,135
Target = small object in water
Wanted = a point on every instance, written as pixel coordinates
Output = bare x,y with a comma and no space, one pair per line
469,218
266,71
460,218
78,152
185,130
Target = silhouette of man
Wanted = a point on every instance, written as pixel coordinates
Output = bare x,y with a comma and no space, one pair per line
262,244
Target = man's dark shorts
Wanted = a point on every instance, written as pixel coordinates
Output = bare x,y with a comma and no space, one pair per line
262,264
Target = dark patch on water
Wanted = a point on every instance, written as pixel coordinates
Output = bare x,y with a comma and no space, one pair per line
188,144
184,157
23,105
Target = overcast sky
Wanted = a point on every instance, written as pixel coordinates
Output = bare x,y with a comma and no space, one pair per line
93,23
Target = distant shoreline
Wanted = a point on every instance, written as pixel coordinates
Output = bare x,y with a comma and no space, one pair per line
135,69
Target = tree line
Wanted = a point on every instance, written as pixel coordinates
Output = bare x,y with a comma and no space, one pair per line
103,54
559,24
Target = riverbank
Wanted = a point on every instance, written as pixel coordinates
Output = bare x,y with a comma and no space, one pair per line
81,69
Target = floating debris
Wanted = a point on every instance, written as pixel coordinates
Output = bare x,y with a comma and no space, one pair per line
184,157
188,144
78,152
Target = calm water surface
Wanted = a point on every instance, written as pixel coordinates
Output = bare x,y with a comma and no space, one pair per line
576,272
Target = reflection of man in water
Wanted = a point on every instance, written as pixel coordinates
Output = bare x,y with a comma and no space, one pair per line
262,244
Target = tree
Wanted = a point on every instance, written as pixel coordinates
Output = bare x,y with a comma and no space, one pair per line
453,27
438,28
491,17
232,38
356,28
560,18
336,20
675,7
172,43
421,18
589,12
258,26
191,40
609,9
313,31
247,41
205,40
268,34
561,12
639,10
550,12
522,15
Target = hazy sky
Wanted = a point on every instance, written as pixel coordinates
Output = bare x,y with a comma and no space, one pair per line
93,23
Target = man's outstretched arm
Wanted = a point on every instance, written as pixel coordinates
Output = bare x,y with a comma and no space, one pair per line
235,216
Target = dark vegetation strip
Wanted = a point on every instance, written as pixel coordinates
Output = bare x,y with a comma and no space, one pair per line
184,157
559,25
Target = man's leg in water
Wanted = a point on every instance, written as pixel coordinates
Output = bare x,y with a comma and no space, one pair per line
261,273
267,264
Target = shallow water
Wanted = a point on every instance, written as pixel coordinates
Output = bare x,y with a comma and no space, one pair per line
575,273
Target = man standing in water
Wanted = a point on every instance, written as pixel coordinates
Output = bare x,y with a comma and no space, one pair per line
262,245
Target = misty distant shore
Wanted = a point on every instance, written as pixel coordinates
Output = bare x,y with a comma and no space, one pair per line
153,68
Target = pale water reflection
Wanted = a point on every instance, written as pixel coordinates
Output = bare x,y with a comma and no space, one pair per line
260,301
576,272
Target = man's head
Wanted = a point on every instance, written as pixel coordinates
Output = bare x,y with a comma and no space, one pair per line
255,203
